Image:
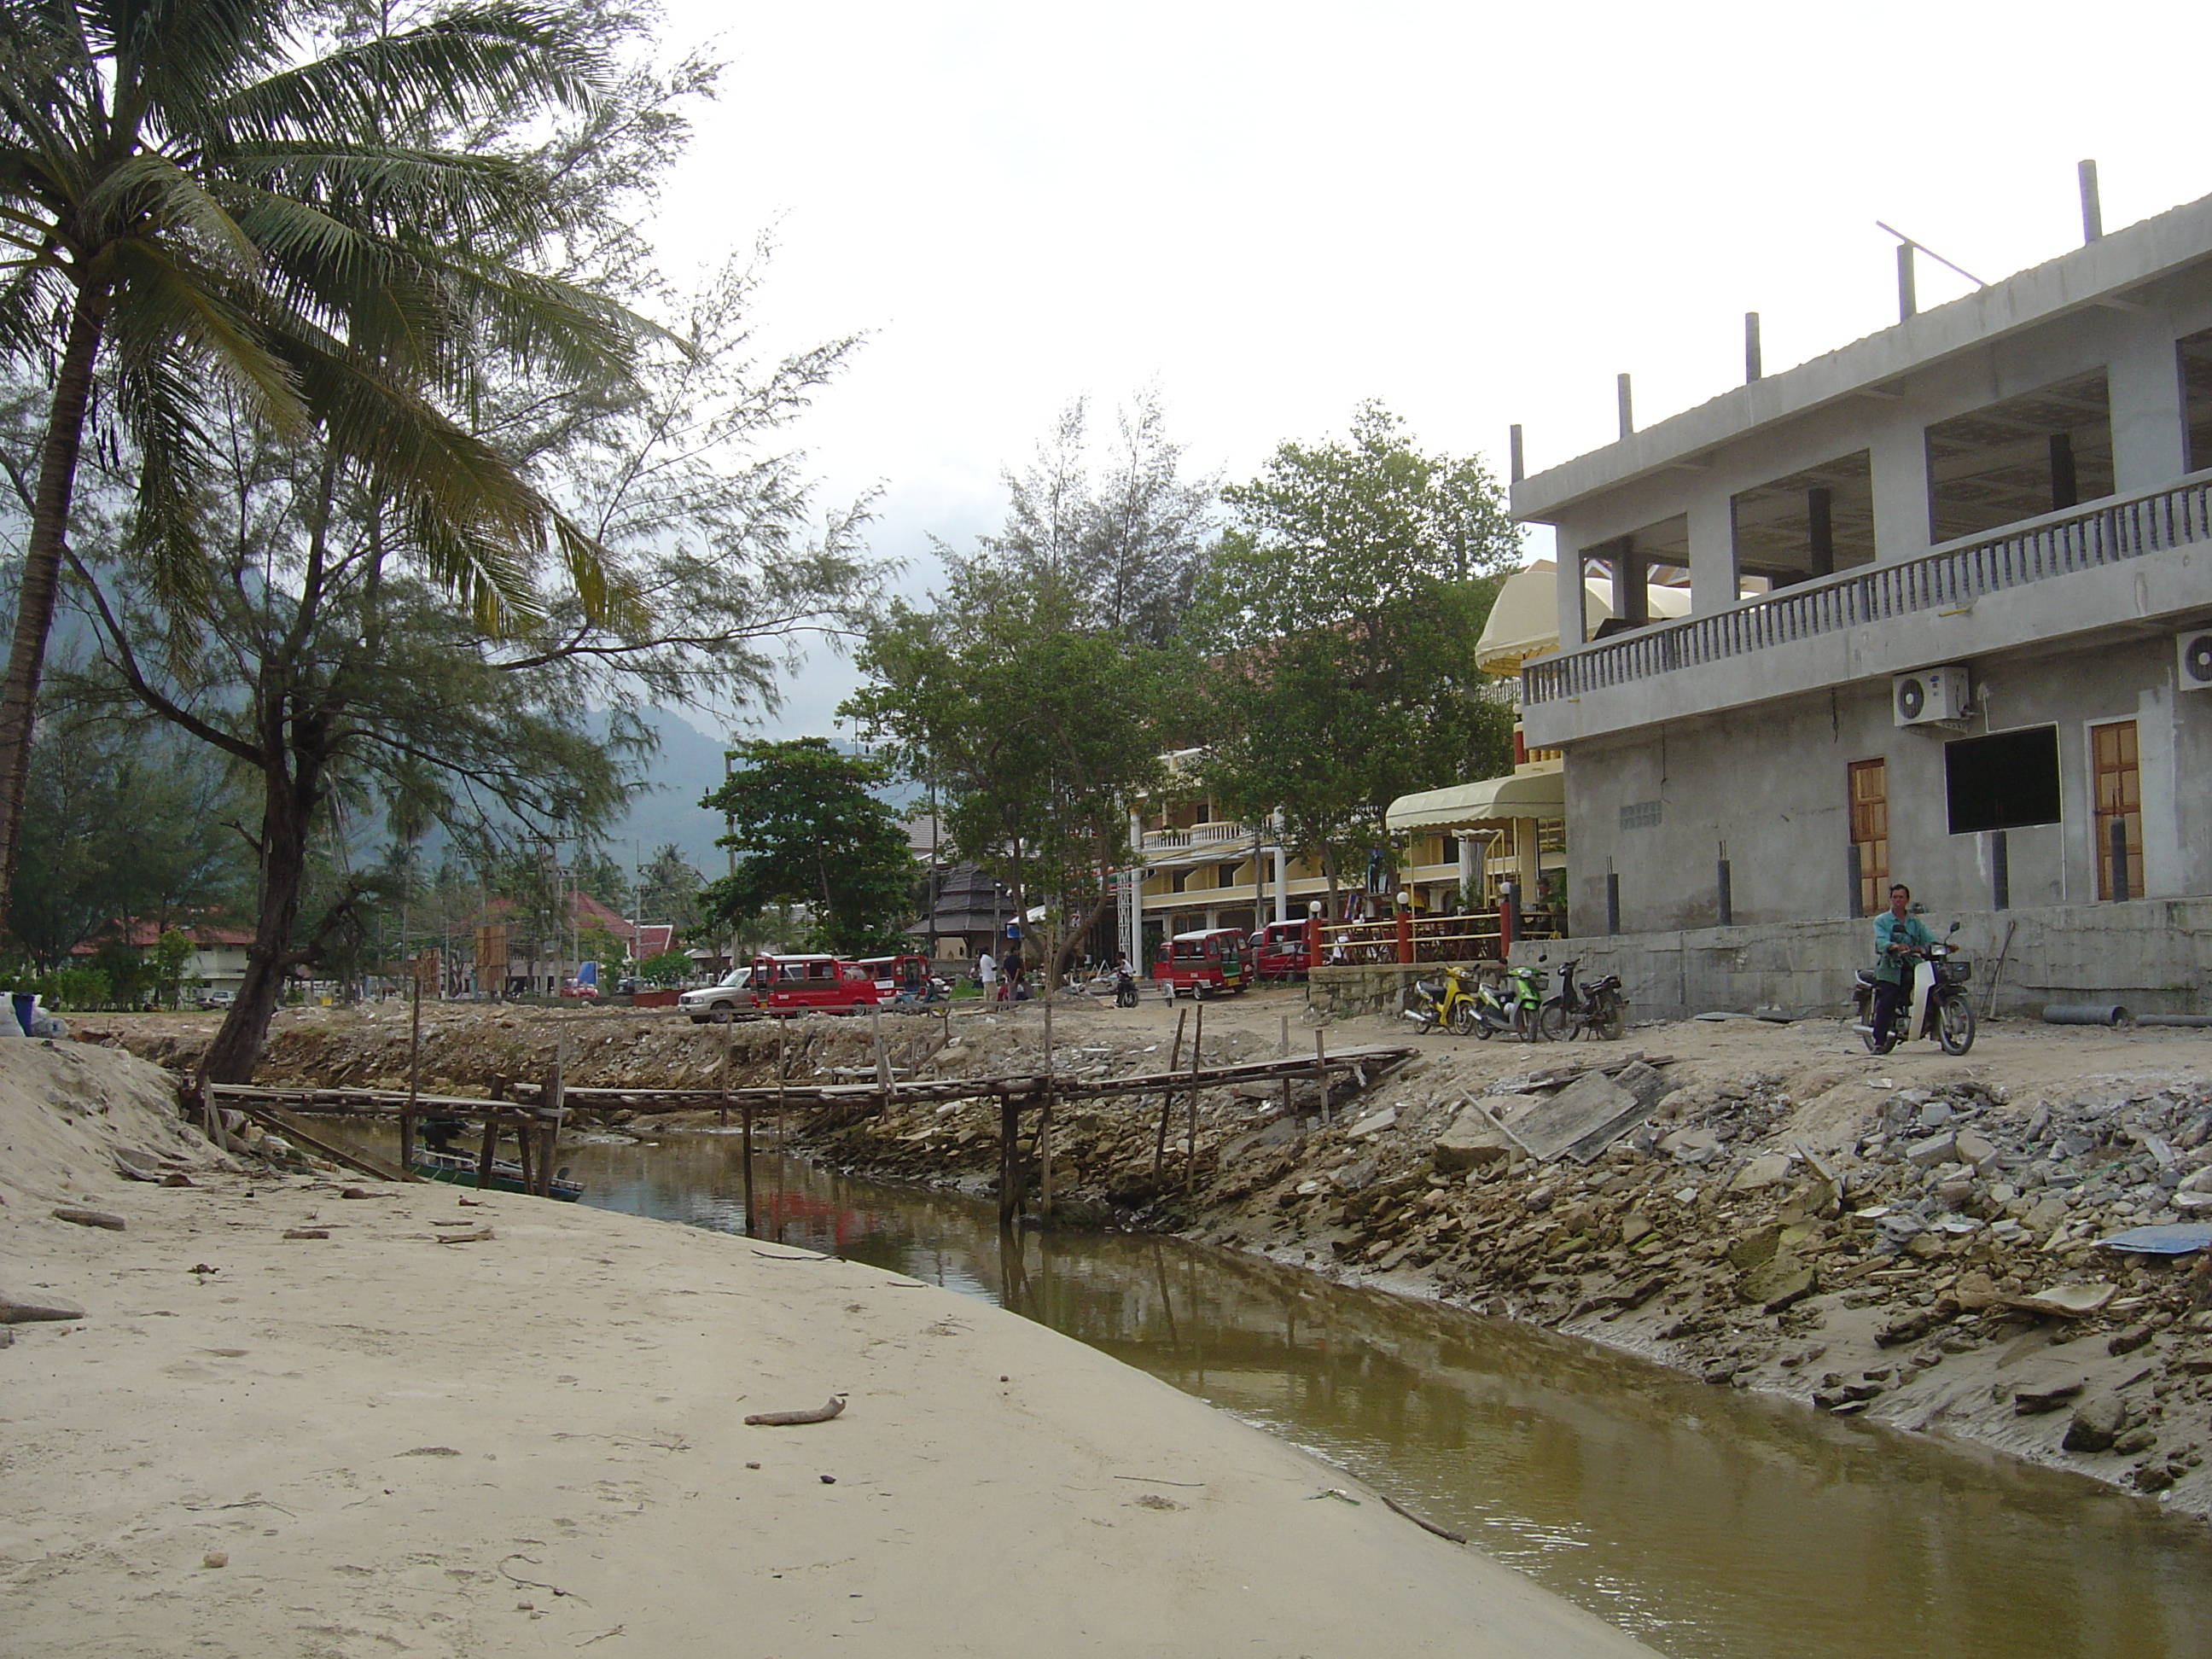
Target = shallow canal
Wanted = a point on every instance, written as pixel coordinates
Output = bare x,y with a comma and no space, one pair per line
1710,1524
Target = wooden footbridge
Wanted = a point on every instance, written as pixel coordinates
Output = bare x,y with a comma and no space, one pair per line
534,1112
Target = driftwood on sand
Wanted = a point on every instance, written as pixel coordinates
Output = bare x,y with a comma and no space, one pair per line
784,1419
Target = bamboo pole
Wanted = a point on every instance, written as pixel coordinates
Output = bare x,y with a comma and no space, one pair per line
555,1100
1321,1071
1167,1097
1285,1054
882,1061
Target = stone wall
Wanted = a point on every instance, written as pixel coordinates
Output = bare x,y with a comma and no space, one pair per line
2155,956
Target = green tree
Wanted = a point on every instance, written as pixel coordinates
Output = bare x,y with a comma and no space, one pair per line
167,960
1342,607
669,968
241,206
668,890
807,830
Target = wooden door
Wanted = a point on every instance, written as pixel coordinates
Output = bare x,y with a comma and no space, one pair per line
2119,785
1870,793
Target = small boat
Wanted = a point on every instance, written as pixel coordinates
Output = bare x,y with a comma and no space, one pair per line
458,1170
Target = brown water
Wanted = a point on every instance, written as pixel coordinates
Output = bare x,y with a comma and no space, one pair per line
1712,1524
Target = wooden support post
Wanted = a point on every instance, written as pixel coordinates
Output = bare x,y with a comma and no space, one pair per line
414,1075
1010,1160
747,1113
1320,1071
522,1136
1044,1122
729,1048
883,1063
1190,1139
1285,1054
556,1101
484,1154
782,1071
1167,1099
549,1148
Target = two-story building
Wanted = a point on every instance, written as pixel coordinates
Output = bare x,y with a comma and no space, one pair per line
1949,622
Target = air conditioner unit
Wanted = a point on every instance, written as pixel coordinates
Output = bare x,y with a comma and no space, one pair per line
2194,652
1928,695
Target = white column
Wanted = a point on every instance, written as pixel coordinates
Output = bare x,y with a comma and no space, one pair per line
1712,552
1568,580
2150,433
1282,884
1467,848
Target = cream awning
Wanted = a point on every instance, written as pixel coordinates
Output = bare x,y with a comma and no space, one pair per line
1537,791
1524,621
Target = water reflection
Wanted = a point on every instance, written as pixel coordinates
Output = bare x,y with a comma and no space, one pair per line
1710,1524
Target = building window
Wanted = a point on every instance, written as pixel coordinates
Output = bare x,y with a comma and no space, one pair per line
2118,783
1870,790
1226,875
2007,780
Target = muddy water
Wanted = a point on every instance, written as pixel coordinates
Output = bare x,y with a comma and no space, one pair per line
1710,1524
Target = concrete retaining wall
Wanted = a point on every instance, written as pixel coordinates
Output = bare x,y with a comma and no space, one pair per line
2153,955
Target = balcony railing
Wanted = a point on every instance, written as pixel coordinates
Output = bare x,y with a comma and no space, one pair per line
1199,835
1952,576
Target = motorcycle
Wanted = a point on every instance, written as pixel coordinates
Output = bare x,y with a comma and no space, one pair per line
1447,1002
1509,1000
1936,1003
1579,1010
1125,988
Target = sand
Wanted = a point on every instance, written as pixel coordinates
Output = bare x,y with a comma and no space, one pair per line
534,1444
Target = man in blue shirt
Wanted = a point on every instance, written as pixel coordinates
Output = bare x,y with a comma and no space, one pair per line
1898,938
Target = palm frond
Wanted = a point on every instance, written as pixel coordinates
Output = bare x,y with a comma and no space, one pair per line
150,186
468,63
162,297
487,569
607,598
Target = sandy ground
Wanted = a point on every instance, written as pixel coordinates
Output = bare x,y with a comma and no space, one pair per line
534,1443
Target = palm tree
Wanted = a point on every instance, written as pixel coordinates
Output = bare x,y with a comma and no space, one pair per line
203,206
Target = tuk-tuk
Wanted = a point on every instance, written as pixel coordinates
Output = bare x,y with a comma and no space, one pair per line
1203,964
907,974
793,985
1280,951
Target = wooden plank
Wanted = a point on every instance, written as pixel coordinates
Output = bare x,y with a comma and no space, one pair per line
352,1158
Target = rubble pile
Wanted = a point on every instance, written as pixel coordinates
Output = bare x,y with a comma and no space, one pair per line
1868,1249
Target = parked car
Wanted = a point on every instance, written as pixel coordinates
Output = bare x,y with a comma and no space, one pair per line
1279,952
218,997
723,1000
792,985
1203,964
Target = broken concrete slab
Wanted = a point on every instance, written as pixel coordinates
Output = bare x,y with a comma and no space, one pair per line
2067,1301
1368,1127
1589,1115
1769,1170
1473,1141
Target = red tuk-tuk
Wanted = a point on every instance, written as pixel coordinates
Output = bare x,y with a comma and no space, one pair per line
793,985
1279,952
893,974
1203,964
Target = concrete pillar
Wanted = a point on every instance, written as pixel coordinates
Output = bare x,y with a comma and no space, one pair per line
1898,458
1469,848
1526,860
1282,885
1712,552
1568,579
2150,434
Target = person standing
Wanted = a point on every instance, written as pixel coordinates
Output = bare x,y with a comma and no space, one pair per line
1898,938
987,975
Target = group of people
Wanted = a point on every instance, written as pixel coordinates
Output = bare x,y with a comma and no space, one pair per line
1003,979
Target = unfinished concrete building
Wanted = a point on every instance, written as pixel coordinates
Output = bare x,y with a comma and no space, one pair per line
1950,622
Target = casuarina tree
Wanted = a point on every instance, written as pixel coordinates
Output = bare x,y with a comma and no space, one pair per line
232,205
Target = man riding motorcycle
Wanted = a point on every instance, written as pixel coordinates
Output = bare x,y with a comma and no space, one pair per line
1898,938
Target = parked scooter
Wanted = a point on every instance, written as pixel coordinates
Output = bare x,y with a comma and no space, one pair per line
1446,1001
1592,1010
1936,1003
1125,988
1509,1000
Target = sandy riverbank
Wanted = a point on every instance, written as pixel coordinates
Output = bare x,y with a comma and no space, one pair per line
534,1443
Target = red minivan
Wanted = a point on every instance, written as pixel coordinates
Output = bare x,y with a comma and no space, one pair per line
1203,964
1279,952
792,985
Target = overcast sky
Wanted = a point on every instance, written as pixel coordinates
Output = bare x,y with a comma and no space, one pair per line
1477,214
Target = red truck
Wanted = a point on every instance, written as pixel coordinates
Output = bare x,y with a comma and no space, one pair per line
1203,964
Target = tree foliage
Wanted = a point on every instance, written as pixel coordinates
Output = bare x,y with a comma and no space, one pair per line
808,830
1343,606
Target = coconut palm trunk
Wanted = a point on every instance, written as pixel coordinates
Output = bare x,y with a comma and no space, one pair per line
42,561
